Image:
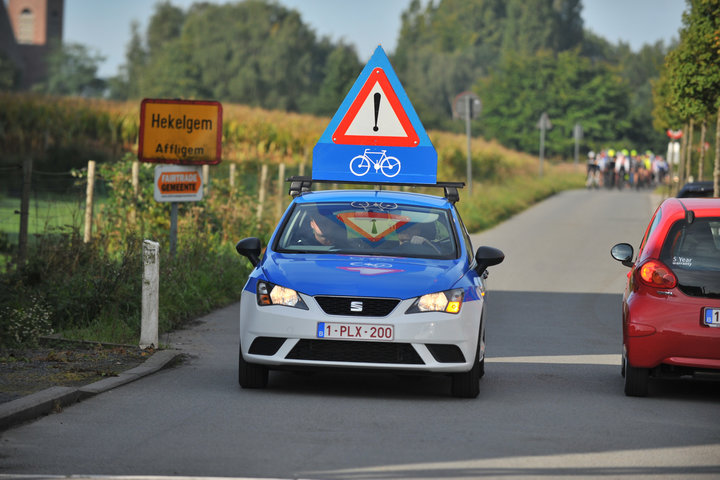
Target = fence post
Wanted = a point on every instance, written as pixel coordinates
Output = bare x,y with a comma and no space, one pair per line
136,192
206,178
150,294
24,211
281,183
261,193
232,176
89,201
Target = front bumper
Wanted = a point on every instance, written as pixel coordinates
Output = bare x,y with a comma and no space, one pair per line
286,337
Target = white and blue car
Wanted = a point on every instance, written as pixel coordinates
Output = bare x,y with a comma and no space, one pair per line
366,279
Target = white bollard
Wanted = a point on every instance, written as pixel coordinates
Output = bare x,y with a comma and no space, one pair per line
150,294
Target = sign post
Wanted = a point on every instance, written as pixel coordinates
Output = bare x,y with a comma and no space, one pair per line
577,136
187,134
467,105
177,183
543,124
673,154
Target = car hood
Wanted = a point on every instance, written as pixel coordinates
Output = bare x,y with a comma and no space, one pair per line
353,275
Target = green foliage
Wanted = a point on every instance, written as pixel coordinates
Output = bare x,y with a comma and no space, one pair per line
72,70
442,49
692,84
535,25
165,26
23,324
79,281
33,124
495,202
9,73
515,54
341,69
87,287
253,52
570,88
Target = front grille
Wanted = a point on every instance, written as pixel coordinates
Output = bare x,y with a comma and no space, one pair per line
355,352
357,306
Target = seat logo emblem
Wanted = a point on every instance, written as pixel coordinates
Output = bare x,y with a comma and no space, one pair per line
356,306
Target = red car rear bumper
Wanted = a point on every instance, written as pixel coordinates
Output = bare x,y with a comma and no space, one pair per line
669,330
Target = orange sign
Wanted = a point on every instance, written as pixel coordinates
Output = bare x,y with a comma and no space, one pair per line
187,132
178,183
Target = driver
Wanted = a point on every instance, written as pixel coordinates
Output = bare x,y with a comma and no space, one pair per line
324,230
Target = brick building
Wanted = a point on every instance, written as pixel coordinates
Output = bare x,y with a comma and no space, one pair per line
28,30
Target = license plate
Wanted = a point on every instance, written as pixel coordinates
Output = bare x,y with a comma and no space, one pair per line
712,317
355,331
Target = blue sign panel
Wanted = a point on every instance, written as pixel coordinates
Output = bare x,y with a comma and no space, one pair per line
376,136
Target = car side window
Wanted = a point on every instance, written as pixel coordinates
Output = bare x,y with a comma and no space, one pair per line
653,224
466,239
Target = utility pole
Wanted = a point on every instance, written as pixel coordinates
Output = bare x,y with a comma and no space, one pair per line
577,135
467,106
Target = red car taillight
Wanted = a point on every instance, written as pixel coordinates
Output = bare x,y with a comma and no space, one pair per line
654,273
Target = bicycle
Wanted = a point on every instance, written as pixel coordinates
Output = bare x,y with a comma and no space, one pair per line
388,166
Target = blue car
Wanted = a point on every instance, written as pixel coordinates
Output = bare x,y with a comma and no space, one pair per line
366,279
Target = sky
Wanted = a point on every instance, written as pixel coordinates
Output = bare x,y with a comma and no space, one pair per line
104,25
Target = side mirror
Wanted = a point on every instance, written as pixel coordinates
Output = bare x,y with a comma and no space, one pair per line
623,253
487,257
250,248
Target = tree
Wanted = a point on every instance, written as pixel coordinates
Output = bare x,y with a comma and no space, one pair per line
691,85
533,25
254,52
129,83
72,70
570,88
9,73
444,48
341,69
165,26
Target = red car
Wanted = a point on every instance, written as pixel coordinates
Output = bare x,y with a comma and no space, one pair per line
671,305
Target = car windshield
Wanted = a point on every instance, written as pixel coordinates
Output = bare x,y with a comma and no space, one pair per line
692,250
364,228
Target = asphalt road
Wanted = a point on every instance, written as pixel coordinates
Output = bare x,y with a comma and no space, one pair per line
551,402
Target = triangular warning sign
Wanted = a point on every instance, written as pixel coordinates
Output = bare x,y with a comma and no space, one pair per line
375,136
373,225
376,117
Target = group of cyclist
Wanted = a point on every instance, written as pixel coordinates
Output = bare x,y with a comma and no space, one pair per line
625,169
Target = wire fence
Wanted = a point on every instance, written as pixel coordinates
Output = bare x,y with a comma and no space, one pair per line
57,199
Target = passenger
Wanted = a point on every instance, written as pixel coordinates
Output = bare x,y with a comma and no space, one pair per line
412,234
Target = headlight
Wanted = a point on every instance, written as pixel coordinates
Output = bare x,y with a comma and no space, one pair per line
271,294
449,301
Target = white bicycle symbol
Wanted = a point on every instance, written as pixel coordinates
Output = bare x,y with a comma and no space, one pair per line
389,166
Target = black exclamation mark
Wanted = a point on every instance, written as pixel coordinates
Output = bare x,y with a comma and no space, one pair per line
376,97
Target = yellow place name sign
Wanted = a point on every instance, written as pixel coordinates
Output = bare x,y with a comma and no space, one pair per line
187,132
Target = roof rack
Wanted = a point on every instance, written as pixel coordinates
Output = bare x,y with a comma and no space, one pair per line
300,185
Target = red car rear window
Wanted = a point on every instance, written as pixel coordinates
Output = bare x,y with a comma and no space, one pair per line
692,251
